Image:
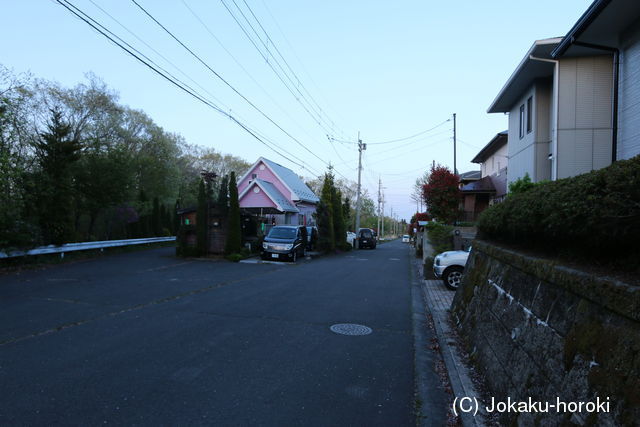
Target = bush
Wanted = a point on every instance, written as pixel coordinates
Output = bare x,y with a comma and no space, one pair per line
593,216
234,257
440,237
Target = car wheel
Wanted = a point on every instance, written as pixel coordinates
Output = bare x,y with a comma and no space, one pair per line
295,256
304,252
452,277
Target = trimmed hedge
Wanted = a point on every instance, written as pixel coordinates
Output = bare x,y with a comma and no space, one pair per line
440,237
594,216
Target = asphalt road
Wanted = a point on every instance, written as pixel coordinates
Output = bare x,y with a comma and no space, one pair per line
146,338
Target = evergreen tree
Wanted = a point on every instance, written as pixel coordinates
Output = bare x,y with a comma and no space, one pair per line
339,226
234,232
223,196
56,151
155,218
346,212
176,218
201,219
324,217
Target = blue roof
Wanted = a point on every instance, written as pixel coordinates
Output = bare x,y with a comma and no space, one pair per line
293,181
276,195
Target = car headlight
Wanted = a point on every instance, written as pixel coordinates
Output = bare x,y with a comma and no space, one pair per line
288,247
265,245
437,261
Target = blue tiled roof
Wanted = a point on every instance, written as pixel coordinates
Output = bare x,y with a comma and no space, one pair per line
293,181
276,196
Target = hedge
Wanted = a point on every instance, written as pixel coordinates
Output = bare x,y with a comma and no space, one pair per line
595,215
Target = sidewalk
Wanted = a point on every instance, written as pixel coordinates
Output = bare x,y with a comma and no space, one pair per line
438,299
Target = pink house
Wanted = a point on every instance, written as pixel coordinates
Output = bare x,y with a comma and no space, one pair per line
271,191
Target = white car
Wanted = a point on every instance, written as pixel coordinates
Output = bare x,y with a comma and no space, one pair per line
351,238
405,238
449,267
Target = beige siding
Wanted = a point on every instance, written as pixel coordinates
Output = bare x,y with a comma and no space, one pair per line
521,153
584,114
495,162
629,94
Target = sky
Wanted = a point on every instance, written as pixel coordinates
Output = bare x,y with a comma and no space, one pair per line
306,77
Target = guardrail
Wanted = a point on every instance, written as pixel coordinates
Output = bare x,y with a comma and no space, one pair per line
82,246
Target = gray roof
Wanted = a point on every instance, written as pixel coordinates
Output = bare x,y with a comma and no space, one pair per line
471,175
275,195
293,181
494,145
525,74
601,24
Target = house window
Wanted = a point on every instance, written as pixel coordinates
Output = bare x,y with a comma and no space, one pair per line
529,113
254,175
522,121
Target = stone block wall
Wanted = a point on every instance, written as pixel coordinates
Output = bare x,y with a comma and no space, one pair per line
543,331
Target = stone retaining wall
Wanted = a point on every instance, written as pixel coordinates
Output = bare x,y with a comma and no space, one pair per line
541,330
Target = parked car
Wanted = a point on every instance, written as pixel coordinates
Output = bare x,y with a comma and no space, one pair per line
351,238
405,238
285,242
312,237
449,267
366,238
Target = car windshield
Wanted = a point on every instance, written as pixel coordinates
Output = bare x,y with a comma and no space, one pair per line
282,233
366,234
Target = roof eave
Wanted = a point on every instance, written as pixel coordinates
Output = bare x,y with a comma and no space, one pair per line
580,26
495,105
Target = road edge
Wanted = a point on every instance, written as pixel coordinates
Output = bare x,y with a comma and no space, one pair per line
428,411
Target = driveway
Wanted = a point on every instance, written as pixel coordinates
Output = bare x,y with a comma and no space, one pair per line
147,338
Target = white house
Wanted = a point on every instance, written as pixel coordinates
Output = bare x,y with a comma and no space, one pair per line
574,102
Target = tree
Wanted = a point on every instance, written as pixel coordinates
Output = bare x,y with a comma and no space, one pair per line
223,196
346,212
156,219
234,231
416,193
441,194
521,185
339,226
56,152
201,220
324,217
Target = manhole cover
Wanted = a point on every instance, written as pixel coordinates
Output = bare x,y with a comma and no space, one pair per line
350,329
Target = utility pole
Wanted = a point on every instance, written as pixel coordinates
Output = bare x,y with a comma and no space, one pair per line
379,201
361,148
382,218
455,169
391,214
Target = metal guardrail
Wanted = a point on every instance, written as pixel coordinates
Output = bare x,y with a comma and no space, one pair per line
70,247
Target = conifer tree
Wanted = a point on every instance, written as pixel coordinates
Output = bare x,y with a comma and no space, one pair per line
56,151
234,233
324,217
201,219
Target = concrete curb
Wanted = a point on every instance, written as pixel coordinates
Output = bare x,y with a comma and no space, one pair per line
430,411
457,371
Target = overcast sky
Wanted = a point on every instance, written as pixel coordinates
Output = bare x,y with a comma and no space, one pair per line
386,69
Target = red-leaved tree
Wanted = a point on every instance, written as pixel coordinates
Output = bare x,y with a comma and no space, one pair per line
441,194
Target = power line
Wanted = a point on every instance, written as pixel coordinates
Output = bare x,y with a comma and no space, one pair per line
297,97
412,136
275,21
300,83
226,82
87,19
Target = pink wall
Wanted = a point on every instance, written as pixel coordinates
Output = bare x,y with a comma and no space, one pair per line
256,200
265,175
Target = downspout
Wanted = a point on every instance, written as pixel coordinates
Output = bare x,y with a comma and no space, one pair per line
553,156
616,77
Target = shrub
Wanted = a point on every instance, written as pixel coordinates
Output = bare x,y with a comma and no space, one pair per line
234,257
594,216
440,237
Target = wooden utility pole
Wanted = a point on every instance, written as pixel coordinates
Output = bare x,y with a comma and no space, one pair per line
361,148
379,201
455,169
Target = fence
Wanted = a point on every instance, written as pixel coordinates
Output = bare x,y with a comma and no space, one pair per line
71,247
